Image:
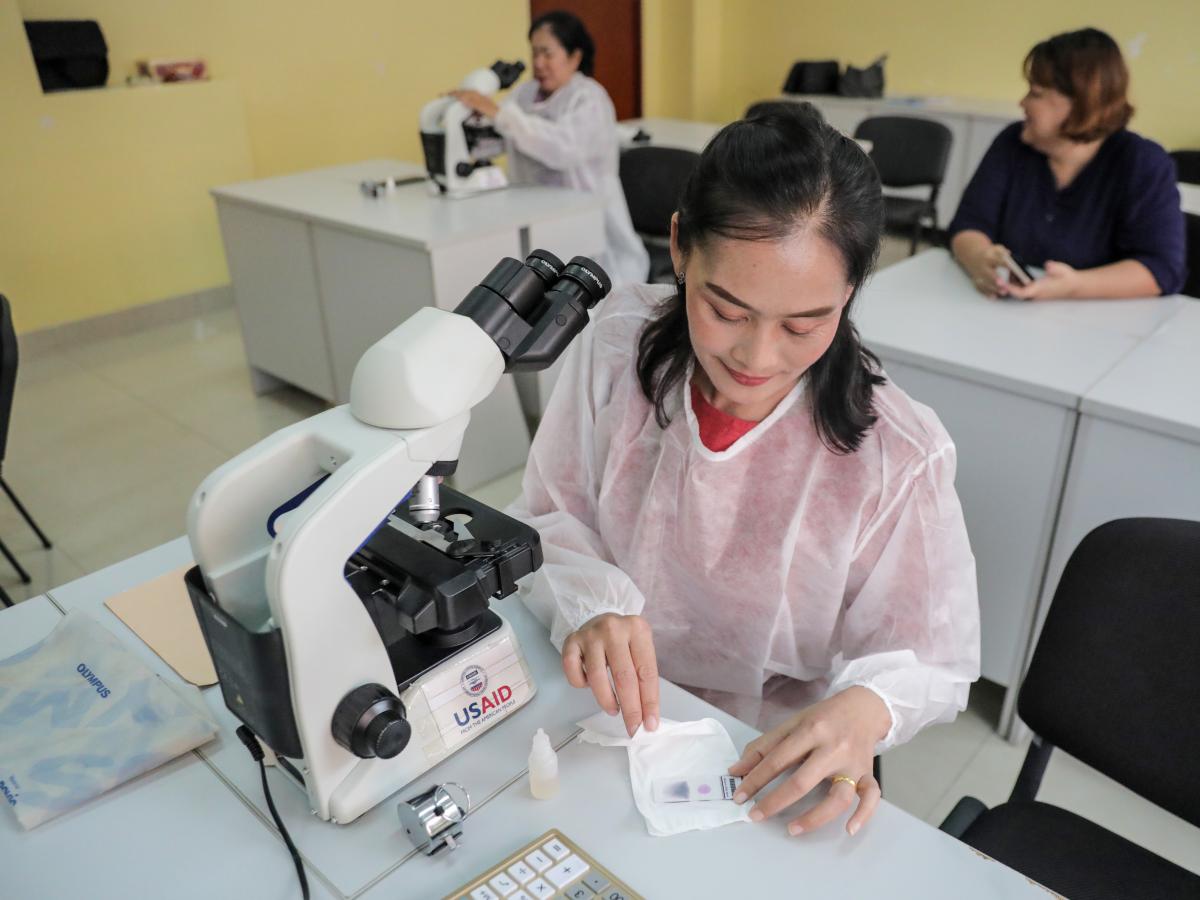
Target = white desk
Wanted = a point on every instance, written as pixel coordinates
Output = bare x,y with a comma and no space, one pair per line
174,832
1006,378
677,133
1137,452
183,831
681,133
1189,197
321,271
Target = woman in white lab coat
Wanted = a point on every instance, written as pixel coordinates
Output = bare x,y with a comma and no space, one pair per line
731,493
560,129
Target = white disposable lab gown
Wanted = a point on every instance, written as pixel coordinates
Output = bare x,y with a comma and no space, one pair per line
773,573
570,140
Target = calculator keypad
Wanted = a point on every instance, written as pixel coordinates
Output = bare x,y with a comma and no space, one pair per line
550,868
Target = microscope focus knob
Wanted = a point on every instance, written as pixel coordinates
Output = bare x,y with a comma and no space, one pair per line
369,722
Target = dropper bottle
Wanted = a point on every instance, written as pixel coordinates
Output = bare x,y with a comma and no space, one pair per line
543,767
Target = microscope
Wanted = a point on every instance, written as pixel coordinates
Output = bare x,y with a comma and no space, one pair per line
343,591
460,144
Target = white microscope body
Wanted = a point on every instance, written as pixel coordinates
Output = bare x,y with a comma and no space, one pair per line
460,144
272,530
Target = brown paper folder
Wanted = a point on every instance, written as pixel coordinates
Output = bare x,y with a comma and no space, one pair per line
160,613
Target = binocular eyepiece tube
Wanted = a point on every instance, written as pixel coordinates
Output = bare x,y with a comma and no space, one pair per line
533,309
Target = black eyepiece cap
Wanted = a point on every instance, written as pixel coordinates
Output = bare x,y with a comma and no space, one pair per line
588,273
545,264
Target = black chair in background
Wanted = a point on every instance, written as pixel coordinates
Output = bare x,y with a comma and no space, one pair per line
1187,165
653,179
908,152
8,385
1113,682
1191,221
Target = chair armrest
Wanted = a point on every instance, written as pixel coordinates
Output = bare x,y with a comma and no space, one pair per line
966,811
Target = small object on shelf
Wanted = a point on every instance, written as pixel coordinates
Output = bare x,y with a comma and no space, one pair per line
168,70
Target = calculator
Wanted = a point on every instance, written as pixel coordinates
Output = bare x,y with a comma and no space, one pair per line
549,868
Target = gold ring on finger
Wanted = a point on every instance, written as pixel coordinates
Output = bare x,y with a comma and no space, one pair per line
846,778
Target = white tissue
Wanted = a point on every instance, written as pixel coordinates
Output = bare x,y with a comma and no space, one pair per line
702,747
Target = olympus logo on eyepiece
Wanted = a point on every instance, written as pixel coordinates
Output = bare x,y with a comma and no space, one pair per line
539,262
590,274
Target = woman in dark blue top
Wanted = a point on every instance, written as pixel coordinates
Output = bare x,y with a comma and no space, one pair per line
1071,189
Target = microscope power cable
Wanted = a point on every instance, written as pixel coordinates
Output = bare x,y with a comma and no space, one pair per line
246,736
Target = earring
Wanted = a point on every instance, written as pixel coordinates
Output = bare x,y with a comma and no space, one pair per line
679,278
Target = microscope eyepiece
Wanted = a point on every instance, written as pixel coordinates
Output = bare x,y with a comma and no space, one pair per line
547,266
532,310
588,275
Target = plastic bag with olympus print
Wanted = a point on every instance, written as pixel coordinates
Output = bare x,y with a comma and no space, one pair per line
81,714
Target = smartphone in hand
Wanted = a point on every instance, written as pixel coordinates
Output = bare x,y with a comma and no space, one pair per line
1018,271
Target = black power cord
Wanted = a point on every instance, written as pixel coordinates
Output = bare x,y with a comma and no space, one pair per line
246,736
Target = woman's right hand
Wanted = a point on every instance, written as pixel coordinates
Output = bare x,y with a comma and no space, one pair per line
981,263
624,646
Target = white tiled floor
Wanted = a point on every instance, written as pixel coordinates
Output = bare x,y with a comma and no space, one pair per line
108,442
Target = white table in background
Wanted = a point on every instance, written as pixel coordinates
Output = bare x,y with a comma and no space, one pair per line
1137,452
1189,197
681,133
185,832
1006,378
321,271
678,133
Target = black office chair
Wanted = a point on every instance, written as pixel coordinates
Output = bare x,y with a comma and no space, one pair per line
8,385
653,179
1113,682
1187,165
908,152
1191,287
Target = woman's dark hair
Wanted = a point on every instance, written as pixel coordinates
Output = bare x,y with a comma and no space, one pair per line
1087,67
760,179
569,31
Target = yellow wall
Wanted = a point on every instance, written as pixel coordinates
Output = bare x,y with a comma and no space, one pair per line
667,58
946,47
105,193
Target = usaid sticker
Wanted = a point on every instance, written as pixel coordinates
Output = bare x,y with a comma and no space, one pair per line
488,686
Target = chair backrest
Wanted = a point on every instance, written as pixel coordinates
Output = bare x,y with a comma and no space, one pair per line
653,179
906,150
1191,287
1187,165
8,370
1114,679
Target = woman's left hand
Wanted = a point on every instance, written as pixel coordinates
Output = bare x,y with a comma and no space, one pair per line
485,106
836,736
1059,283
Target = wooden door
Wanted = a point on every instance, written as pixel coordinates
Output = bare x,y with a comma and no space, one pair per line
616,29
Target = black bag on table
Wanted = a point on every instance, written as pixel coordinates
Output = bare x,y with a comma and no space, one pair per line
812,77
69,54
866,82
